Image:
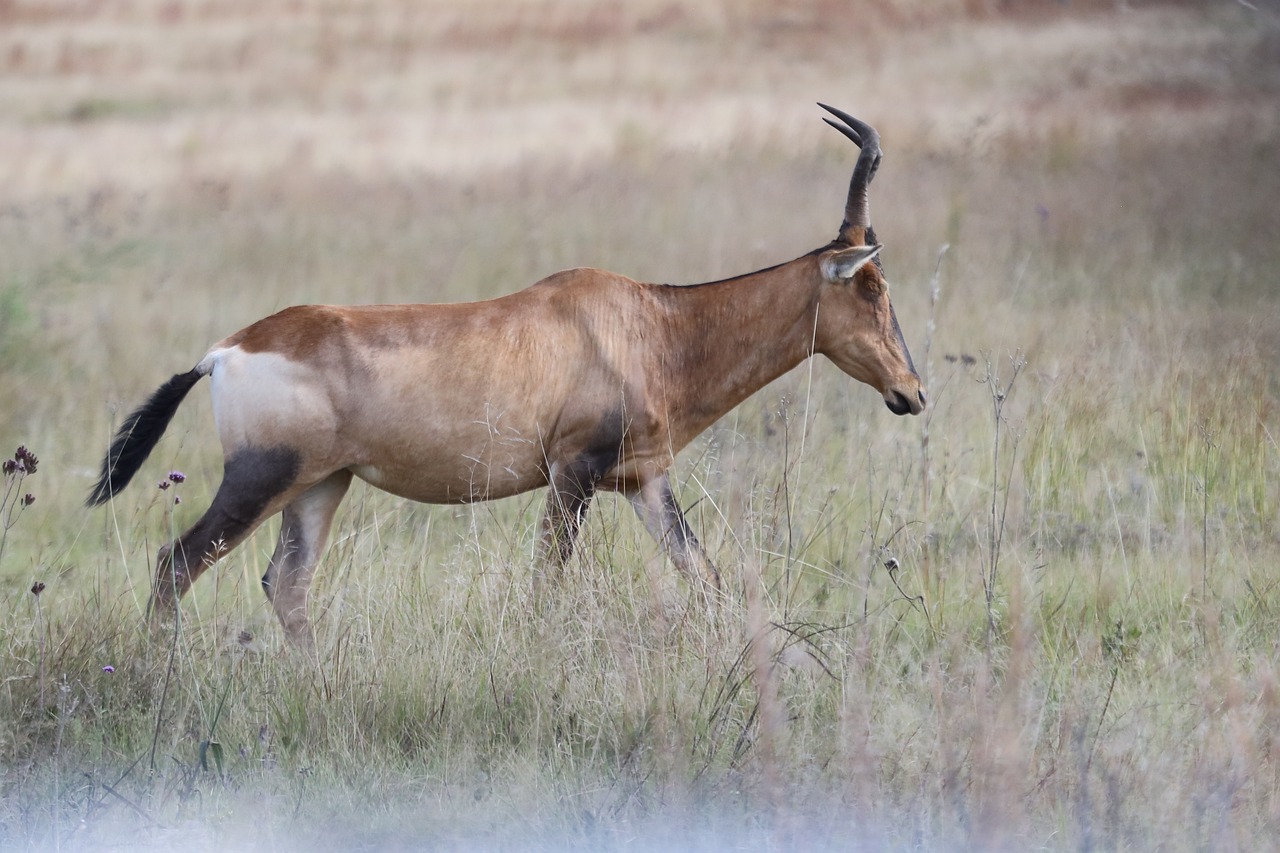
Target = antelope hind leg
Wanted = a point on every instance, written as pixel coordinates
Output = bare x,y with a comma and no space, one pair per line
304,530
256,483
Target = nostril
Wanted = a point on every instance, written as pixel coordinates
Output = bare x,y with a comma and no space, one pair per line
923,400
897,404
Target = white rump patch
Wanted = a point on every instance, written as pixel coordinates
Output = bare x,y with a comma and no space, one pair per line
263,398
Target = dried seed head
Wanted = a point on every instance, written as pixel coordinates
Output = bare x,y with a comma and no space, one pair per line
25,460
37,588
28,499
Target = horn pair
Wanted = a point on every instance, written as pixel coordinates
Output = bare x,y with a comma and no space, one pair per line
857,211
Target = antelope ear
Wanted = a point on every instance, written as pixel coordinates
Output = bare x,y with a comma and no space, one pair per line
841,264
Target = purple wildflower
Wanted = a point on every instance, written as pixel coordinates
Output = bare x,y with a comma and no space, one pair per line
25,462
177,477
108,669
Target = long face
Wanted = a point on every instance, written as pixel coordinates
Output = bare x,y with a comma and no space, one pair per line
857,328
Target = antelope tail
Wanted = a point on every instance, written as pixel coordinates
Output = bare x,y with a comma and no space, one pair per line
138,436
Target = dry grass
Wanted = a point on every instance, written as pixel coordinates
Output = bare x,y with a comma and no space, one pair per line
1106,184
147,96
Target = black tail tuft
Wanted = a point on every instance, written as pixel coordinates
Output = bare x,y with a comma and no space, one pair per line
138,436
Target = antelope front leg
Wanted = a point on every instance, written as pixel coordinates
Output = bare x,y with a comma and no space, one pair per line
567,502
657,508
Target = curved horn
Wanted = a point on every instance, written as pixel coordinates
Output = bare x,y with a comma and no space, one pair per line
857,212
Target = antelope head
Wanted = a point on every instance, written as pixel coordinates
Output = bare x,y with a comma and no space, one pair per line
856,325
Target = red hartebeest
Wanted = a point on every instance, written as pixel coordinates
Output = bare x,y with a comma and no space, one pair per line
586,380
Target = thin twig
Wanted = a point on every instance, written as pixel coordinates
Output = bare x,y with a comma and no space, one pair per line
935,292
999,510
1115,673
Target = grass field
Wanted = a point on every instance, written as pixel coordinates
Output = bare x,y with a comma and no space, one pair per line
1076,647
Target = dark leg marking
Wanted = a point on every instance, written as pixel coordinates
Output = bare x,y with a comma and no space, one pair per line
573,485
253,480
561,521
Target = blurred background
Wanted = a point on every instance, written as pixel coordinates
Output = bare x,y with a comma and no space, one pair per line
146,97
